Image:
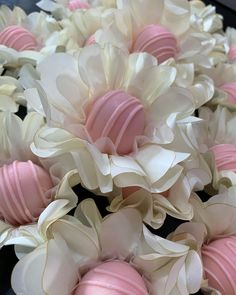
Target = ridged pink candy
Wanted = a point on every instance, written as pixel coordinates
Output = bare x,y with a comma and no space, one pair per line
18,38
112,278
77,4
232,53
156,40
230,89
225,156
219,261
118,116
23,187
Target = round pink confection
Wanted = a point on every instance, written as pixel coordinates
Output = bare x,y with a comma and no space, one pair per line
90,40
112,278
156,40
219,261
225,156
118,116
230,89
23,187
18,38
77,4
232,53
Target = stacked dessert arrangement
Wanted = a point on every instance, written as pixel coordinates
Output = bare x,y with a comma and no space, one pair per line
117,148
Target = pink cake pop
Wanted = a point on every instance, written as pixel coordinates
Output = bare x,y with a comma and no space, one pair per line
118,116
112,278
156,40
219,260
90,40
18,38
230,89
23,192
232,53
225,156
77,4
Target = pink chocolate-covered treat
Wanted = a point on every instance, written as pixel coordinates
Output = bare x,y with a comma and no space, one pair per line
24,190
225,156
219,260
77,4
156,40
118,116
18,38
230,89
112,278
232,53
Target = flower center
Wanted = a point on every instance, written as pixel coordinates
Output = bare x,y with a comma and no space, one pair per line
23,192
219,264
118,116
156,40
18,38
232,53
230,89
77,4
90,40
113,278
225,156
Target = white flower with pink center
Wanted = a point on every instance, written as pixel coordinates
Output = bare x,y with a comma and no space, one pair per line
224,78
166,29
134,261
219,137
25,38
216,240
112,113
30,189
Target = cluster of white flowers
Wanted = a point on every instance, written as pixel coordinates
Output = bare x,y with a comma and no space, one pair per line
135,101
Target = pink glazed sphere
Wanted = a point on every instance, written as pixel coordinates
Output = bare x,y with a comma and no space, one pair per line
112,278
219,261
24,190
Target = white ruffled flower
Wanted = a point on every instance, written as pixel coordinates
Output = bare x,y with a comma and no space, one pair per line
78,30
220,139
224,77
64,8
71,92
11,94
231,38
53,183
213,226
25,38
80,243
165,29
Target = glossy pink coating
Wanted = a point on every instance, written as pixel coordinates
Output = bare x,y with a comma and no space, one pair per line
156,40
230,89
118,116
23,187
112,278
90,40
219,261
225,156
77,4
18,38
232,52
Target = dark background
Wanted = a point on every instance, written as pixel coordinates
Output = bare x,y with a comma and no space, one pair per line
7,257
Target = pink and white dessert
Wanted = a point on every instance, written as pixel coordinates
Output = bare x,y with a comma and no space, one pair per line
77,4
112,278
18,38
219,260
24,192
156,40
118,116
225,156
230,89
232,53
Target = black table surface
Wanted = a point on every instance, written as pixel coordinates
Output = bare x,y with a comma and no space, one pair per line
7,256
